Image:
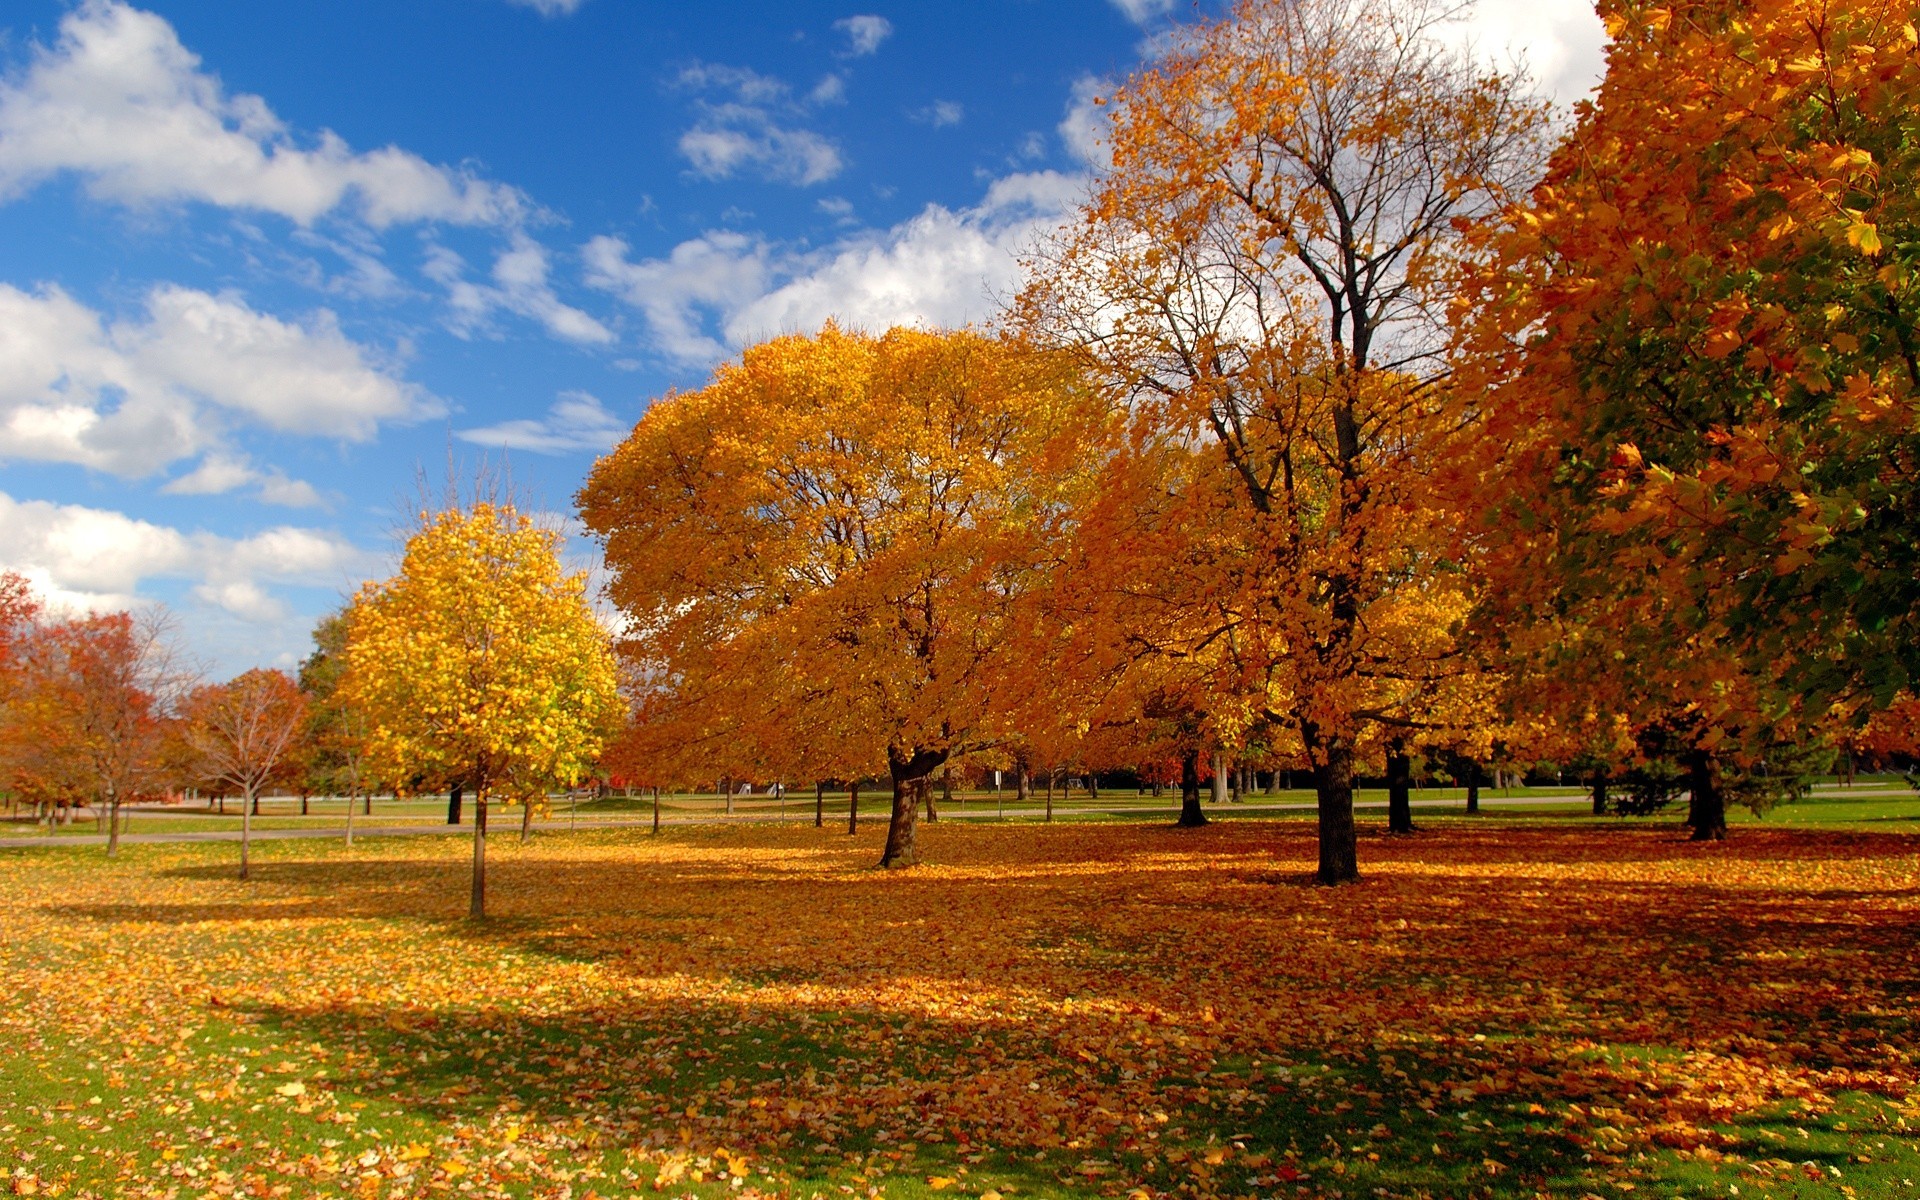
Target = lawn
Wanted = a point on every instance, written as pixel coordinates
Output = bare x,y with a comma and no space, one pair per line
1500,1008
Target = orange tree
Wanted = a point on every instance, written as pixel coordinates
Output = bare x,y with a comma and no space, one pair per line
1262,276
1700,351
481,661
243,733
821,553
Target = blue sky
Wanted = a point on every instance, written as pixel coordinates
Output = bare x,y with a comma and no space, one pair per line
268,264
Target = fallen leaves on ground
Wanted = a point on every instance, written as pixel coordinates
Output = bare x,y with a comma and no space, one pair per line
1111,1010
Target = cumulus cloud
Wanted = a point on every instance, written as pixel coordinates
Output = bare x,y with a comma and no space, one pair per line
576,422
1142,11
1561,42
222,471
943,267
940,113
520,285
747,122
551,8
864,33
678,296
131,396
97,560
1084,129
120,102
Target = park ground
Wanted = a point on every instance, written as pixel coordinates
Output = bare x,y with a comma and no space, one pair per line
1503,1007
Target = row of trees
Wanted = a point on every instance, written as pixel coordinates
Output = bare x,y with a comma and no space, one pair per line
1360,414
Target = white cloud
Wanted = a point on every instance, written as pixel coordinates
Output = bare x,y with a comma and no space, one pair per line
520,285
753,127
576,422
1084,129
97,560
723,290
551,8
1561,42
864,33
711,275
222,471
131,396
940,113
120,102
1142,11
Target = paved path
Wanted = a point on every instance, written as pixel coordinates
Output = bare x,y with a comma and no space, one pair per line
976,811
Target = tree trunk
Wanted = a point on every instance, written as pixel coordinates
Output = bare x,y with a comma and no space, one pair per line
726,787
526,821
1706,805
1093,785
1399,787
453,805
246,829
350,799
1601,801
255,804
366,805
1219,778
1333,794
1023,776
853,807
1050,774
477,901
911,778
926,787
1190,815
1473,787
819,805
303,804
113,823
656,810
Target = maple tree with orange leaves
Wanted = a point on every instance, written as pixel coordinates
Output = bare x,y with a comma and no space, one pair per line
824,554
1262,277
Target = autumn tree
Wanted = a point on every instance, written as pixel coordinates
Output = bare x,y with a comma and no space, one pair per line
1699,350
481,661
243,733
820,553
333,739
92,692
1262,277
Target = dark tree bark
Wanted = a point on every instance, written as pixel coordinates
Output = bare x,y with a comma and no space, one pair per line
1601,801
910,774
1707,804
1333,787
853,807
1050,773
1191,816
819,804
453,805
526,821
1093,785
656,810
477,900
933,813
1473,786
303,803
1399,789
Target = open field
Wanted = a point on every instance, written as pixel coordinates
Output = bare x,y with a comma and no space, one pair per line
1881,802
1501,1009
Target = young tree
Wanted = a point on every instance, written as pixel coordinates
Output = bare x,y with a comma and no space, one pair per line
244,732
481,661
1263,276
333,740
834,535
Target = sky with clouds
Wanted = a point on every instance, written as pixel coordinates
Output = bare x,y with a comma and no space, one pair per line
271,266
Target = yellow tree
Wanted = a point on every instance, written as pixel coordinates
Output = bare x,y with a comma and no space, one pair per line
1262,275
822,552
481,661
242,733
